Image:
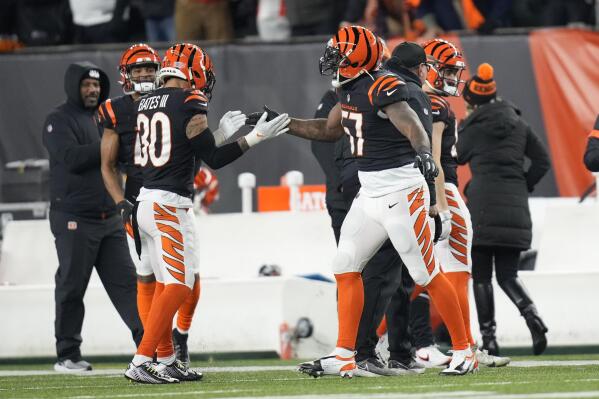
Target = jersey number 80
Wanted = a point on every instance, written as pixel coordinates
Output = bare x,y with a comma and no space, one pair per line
146,140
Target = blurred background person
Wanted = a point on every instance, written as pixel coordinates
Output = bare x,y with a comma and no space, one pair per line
100,21
158,18
203,20
495,141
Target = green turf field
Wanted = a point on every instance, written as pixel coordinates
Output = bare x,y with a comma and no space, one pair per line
573,376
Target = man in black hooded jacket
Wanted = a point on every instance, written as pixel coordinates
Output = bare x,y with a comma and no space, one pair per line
88,231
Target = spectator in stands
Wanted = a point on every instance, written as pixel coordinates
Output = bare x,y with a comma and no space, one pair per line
495,14
203,20
100,21
271,21
564,12
313,17
159,19
495,140
88,231
591,154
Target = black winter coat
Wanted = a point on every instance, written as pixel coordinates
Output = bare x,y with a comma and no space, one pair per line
495,141
72,134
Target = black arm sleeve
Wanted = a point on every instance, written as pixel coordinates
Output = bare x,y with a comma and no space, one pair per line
433,193
216,157
540,164
591,155
61,143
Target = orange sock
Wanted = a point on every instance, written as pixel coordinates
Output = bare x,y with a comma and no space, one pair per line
145,294
460,280
350,303
418,289
187,308
382,329
446,301
160,319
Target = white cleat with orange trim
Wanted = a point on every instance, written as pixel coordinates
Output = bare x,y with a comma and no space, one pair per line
332,364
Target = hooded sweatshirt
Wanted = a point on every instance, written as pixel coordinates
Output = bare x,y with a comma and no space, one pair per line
72,134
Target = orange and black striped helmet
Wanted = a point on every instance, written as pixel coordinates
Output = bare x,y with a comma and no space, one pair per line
191,63
137,55
353,51
446,66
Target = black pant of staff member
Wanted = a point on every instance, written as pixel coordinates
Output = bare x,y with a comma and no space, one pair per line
83,218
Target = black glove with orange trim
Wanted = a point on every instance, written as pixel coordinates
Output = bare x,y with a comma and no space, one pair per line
254,117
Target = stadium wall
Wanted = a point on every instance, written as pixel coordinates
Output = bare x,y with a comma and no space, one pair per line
534,71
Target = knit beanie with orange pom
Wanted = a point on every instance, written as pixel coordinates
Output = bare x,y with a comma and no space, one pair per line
481,88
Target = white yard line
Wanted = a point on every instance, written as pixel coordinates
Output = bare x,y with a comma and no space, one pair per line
250,369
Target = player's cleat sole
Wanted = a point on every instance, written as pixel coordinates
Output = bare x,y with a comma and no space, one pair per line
148,373
180,371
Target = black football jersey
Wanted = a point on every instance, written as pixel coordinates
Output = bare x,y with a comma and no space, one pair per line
374,141
442,113
119,115
163,150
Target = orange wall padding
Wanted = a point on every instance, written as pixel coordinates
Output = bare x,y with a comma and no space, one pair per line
565,65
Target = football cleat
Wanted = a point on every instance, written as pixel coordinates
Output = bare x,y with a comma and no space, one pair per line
431,356
371,367
410,367
71,366
179,371
180,344
330,365
462,362
148,373
485,359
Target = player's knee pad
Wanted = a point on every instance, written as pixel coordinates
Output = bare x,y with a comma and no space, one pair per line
344,262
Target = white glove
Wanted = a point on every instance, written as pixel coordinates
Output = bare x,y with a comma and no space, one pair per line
267,130
229,125
445,217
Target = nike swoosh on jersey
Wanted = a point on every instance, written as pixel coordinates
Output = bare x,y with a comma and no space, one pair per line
390,92
392,205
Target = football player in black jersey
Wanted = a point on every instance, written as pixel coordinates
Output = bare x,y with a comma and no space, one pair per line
455,242
394,158
138,67
172,134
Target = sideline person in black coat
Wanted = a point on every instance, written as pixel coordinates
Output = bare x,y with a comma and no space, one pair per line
495,141
87,229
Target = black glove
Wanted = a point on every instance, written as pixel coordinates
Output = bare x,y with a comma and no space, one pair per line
438,228
252,119
425,162
125,208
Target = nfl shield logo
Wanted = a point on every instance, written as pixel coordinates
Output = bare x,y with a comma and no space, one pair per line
347,97
72,225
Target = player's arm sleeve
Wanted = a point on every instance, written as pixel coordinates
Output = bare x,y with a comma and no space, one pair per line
539,159
386,90
591,154
215,157
61,142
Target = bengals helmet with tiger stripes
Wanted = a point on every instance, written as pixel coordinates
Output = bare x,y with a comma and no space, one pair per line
190,63
138,55
353,50
446,66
